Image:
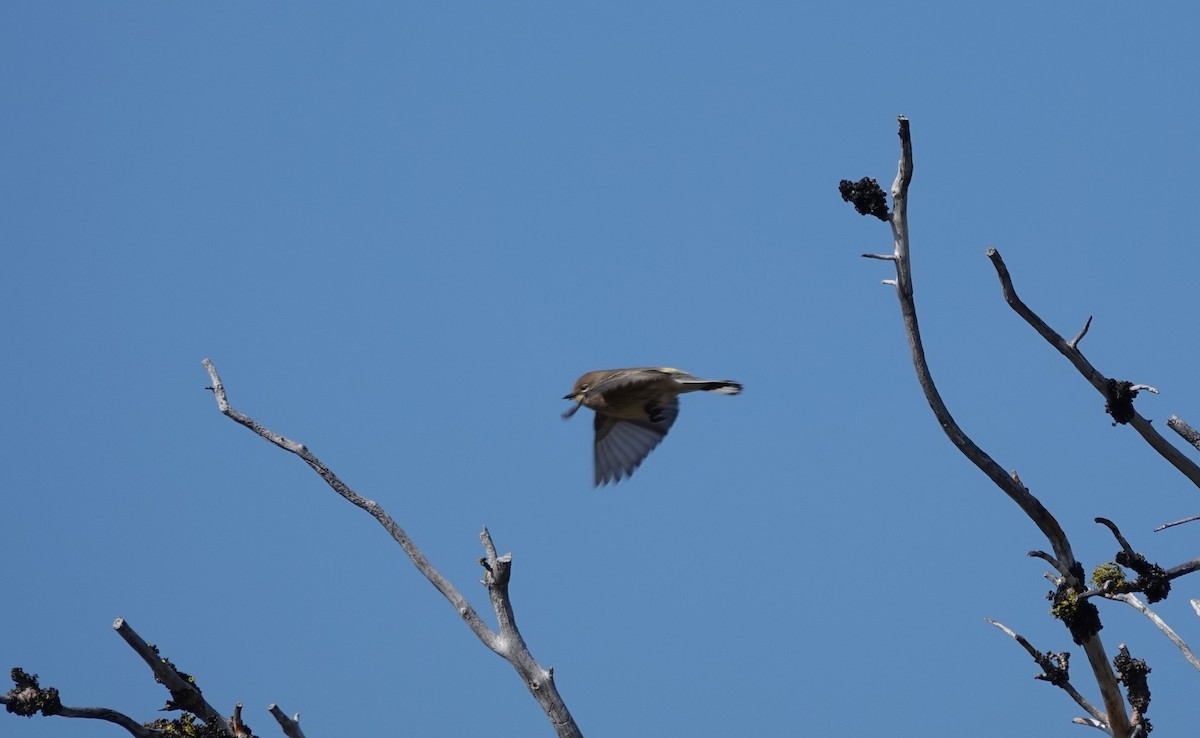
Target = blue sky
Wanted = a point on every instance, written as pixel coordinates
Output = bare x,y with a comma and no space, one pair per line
401,231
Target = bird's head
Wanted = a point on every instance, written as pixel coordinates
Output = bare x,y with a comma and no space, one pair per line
579,392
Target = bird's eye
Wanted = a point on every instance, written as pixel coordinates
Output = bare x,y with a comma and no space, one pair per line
584,387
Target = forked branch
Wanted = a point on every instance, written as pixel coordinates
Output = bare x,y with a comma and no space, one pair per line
29,697
1102,384
507,642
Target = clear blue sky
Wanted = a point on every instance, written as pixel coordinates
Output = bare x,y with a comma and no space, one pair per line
402,230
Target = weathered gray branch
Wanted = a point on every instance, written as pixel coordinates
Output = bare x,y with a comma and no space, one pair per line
1133,601
1116,717
1169,452
507,643
1056,674
131,726
185,695
290,725
1187,432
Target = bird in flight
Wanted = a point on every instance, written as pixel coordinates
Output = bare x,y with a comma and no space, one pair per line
634,410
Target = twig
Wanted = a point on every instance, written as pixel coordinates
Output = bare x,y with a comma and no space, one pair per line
1091,723
1032,507
1173,455
1056,674
507,643
1082,332
1133,601
1172,524
1064,571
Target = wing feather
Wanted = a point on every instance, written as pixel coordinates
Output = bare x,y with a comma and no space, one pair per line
622,445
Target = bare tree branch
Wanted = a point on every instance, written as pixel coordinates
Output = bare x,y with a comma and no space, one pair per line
1189,434
185,695
28,697
1186,567
1055,671
1133,601
1112,527
290,725
1173,523
1173,455
1116,716
507,643
1082,332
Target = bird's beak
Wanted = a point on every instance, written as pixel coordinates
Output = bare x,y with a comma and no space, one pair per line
570,396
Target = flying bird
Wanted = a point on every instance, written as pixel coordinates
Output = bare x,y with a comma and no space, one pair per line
634,410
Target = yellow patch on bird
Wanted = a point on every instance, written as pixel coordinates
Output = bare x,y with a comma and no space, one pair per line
669,370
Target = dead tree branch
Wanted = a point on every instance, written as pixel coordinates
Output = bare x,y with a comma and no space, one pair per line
506,643
290,725
1055,670
1187,432
1082,630
1102,383
28,697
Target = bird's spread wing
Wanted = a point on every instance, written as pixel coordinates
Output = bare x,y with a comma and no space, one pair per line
622,445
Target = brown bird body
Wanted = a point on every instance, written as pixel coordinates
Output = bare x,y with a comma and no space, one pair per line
634,410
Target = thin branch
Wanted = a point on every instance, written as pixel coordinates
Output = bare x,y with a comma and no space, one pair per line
1091,723
1112,527
1173,455
506,644
1064,571
14,699
1054,671
904,290
112,716
1082,332
1172,524
1133,601
1016,491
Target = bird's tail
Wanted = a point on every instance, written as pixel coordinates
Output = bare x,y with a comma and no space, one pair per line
724,386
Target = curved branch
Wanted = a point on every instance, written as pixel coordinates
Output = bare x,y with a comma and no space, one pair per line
1173,455
904,290
507,643
1010,485
112,716
131,726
